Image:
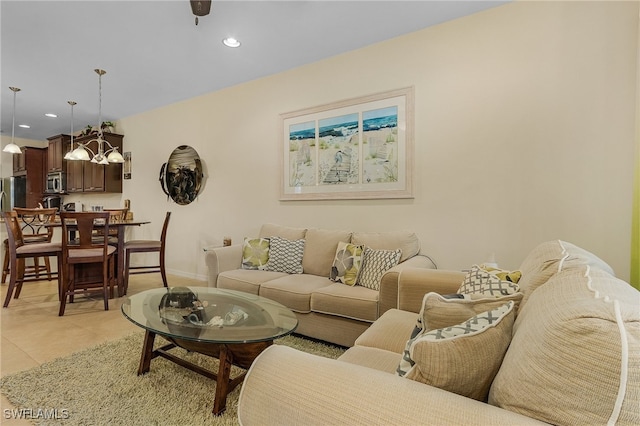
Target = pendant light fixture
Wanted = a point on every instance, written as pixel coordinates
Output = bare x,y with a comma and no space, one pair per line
12,148
71,154
101,156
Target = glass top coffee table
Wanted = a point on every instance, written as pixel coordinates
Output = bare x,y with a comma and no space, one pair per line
233,326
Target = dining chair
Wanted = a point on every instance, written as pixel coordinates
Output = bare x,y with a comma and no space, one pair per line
32,222
115,215
82,251
19,251
147,246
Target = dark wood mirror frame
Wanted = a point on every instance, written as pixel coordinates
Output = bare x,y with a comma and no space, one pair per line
182,176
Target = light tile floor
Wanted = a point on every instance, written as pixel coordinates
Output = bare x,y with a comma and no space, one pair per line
32,332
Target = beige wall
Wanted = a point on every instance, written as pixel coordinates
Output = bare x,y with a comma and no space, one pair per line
524,133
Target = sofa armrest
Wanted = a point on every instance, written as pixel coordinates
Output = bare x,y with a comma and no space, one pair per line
410,286
388,297
222,259
285,386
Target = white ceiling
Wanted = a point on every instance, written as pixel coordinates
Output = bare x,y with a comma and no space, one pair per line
155,55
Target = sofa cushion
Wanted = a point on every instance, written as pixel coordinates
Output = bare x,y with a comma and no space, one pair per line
374,264
482,281
551,257
285,255
463,358
389,332
320,249
406,241
245,280
352,302
294,291
273,230
346,263
588,323
255,253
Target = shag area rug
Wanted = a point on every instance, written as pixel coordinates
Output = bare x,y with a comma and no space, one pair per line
99,386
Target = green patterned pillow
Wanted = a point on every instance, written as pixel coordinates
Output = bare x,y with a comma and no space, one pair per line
489,282
374,264
346,264
255,253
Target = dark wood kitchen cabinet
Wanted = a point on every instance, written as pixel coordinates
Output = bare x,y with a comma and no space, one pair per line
85,176
31,164
74,176
58,146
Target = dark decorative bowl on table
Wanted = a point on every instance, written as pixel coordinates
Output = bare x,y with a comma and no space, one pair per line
184,313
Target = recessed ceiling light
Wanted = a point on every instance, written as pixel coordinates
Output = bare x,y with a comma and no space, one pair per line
231,42
24,126
51,115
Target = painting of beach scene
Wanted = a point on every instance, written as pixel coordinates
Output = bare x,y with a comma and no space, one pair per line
302,154
338,150
380,142
359,148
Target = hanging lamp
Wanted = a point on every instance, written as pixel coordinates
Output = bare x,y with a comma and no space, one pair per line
111,155
12,148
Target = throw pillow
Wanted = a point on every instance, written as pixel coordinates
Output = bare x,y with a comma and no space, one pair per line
441,311
346,263
285,255
463,358
444,311
374,264
255,253
479,280
503,274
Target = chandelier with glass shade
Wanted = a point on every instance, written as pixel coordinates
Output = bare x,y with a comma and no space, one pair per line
12,148
83,152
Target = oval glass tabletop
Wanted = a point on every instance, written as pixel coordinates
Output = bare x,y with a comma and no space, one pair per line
208,314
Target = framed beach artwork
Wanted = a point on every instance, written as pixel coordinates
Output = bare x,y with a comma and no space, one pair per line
127,165
358,148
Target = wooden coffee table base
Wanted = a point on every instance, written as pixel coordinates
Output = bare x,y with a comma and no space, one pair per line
239,354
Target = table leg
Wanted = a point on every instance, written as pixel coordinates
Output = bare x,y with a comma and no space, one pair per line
222,383
120,262
147,352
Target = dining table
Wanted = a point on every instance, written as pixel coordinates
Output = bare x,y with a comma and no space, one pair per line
119,226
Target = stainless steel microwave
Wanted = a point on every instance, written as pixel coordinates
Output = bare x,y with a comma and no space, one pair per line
55,183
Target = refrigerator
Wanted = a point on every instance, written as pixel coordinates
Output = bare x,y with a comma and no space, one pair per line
13,193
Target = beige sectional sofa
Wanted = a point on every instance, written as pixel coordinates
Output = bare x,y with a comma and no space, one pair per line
573,359
326,310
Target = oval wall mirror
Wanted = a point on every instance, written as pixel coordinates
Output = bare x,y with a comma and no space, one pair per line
181,177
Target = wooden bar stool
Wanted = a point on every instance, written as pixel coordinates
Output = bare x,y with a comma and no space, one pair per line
19,251
85,249
32,223
147,246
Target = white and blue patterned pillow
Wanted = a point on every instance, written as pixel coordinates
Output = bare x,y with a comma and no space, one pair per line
374,264
480,280
285,255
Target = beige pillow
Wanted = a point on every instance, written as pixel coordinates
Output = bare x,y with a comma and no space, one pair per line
463,358
320,249
439,312
406,241
272,230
